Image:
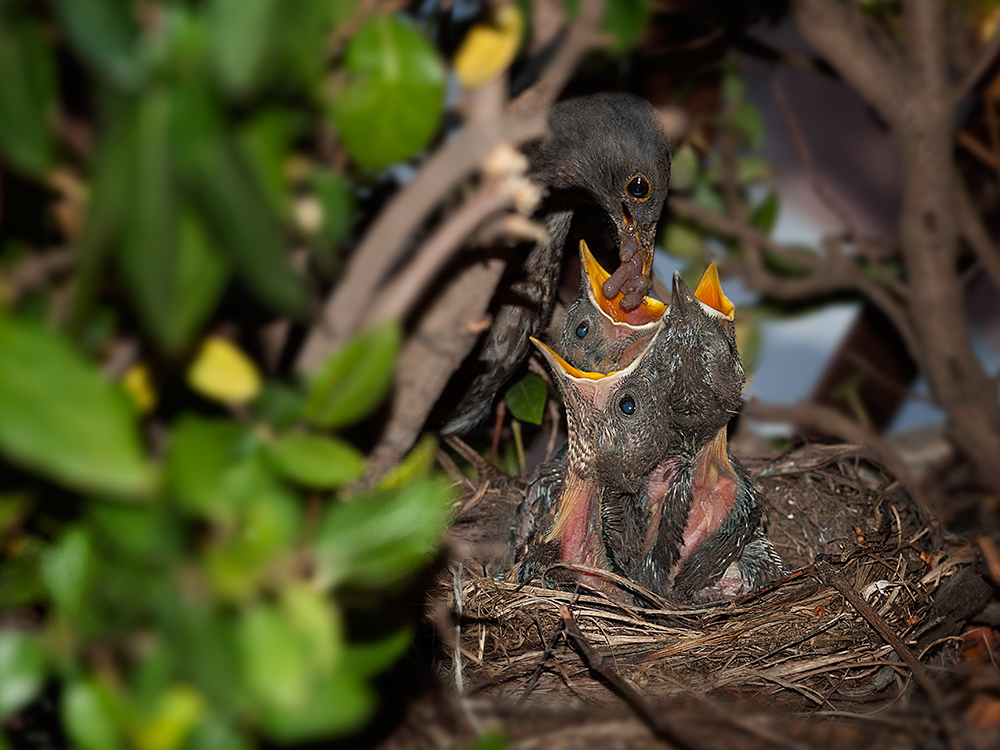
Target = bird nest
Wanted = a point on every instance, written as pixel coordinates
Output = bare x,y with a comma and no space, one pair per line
865,629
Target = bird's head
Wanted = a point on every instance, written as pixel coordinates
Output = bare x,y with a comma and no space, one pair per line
698,351
598,334
616,431
613,148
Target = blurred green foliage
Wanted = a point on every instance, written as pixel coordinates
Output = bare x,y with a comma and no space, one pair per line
190,576
185,572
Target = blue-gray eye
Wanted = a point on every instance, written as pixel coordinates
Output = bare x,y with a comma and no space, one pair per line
627,405
582,329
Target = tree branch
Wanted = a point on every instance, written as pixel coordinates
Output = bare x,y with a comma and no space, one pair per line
384,244
840,36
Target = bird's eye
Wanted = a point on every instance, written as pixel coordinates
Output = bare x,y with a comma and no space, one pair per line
582,329
639,187
626,405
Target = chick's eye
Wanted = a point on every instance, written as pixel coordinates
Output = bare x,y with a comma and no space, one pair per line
639,187
626,405
582,329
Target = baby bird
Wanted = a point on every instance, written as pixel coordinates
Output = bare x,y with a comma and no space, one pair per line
649,489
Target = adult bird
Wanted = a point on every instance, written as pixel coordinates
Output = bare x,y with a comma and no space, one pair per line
597,334
606,161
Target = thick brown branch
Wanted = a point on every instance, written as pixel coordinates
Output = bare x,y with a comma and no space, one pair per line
839,35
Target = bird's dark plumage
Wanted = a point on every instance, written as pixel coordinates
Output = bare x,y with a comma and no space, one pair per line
665,502
606,153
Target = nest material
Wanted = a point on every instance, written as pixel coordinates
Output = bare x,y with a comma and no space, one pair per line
804,646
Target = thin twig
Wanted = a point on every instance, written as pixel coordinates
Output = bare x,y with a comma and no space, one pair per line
833,578
987,58
597,663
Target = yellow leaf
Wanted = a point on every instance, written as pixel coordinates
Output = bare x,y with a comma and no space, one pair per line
177,712
139,386
489,48
220,371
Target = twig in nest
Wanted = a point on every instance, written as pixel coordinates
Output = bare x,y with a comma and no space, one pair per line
457,656
597,663
547,647
833,578
620,581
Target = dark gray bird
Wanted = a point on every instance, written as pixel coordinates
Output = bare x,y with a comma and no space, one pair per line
598,335
605,156
649,489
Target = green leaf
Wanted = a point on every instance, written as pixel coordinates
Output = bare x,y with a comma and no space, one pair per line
624,19
372,657
417,465
62,419
392,103
215,733
207,644
173,273
319,462
350,384
22,670
26,97
376,541
684,169
240,33
317,623
747,120
336,705
265,142
526,398
277,670
104,33
67,569
199,454
765,214
681,240
338,204
88,716
264,523
733,85
199,276
21,581
491,741
279,405
148,251
343,10
231,202
178,711
627,20
708,197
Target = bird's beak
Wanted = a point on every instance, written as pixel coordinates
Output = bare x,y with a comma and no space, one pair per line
709,296
631,242
649,310
710,293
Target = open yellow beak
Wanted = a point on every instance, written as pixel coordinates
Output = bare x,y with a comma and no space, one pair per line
648,311
710,292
